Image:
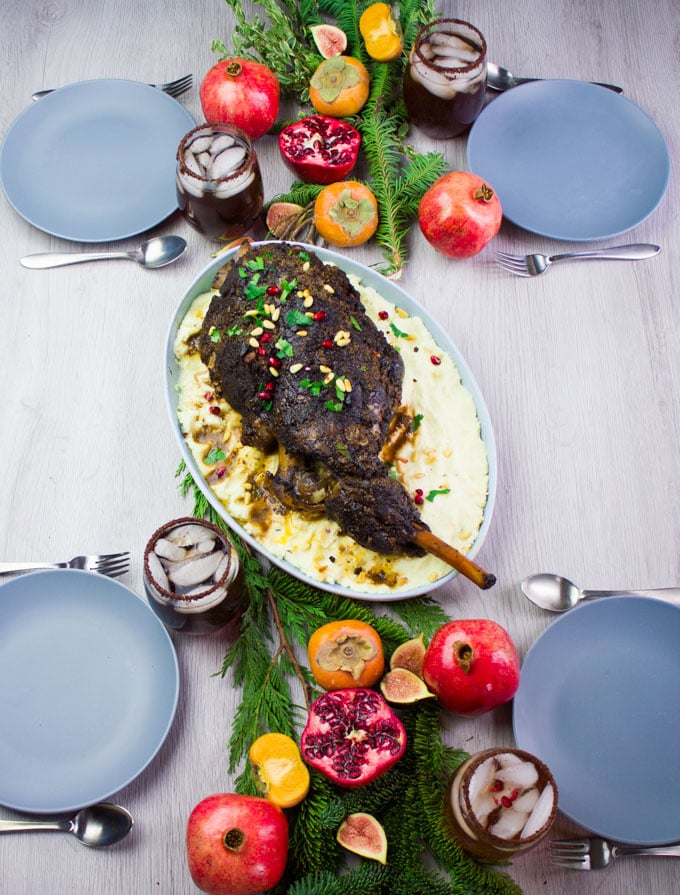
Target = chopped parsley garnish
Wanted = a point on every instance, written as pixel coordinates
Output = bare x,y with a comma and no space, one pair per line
214,334
234,330
253,290
285,349
342,449
256,263
215,455
431,496
297,318
355,323
287,287
304,256
397,332
314,387
417,420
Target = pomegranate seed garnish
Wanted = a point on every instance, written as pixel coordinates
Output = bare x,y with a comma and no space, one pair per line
273,290
208,396
327,343
263,396
419,496
265,337
496,786
261,351
319,315
270,386
274,362
383,315
220,472
435,360
215,410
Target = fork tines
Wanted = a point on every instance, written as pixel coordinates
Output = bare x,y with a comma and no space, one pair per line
516,264
572,853
112,564
176,88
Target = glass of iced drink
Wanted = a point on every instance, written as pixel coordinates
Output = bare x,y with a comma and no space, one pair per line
219,186
501,802
193,579
445,80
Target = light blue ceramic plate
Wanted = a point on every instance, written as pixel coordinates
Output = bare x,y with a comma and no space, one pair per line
599,702
398,296
570,160
94,161
89,684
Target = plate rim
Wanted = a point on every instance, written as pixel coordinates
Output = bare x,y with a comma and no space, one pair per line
609,97
200,284
105,792
65,90
607,607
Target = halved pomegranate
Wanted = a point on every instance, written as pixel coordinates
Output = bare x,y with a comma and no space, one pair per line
320,149
352,736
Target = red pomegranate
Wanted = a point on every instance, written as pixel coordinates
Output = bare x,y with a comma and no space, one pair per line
320,149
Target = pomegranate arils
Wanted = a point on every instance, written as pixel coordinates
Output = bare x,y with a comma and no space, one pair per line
320,149
352,736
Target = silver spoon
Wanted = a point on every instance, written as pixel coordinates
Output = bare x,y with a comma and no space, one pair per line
153,253
500,79
557,594
96,826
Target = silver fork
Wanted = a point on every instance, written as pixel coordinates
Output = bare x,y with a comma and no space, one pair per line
594,853
111,564
533,265
173,88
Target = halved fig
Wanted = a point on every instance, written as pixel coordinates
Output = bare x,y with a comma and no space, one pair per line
352,736
410,655
362,834
329,39
320,149
282,216
402,687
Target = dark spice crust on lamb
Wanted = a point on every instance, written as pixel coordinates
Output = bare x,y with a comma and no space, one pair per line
322,388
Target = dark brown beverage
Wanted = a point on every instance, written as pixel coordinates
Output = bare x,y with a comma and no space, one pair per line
219,186
192,576
445,80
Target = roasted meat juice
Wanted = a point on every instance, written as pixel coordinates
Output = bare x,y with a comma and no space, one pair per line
501,802
192,576
445,80
219,185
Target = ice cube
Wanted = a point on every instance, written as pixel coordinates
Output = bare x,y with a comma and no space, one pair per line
521,775
541,812
187,535
195,570
219,144
480,780
509,823
189,184
201,144
204,159
483,807
168,550
227,162
221,568
207,545
443,42
434,82
157,571
526,801
505,759
234,185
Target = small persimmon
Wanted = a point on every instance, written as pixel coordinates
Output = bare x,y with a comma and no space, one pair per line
346,213
345,655
339,86
280,774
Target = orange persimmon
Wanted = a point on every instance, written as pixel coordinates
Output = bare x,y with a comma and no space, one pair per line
346,213
345,655
339,86
280,774
381,33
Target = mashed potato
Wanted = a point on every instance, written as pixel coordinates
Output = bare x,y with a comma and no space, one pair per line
443,463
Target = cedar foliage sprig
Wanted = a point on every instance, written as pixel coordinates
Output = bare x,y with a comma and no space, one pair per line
397,173
408,800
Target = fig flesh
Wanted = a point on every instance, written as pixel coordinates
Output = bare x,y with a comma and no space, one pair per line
329,39
410,655
352,736
402,687
362,834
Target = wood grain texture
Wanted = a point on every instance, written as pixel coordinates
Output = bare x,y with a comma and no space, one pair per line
580,370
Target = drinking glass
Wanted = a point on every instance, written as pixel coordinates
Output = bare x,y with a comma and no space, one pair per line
219,185
501,802
445,81
193,578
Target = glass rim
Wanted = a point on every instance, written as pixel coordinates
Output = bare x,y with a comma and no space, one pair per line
171,596
250,157
428,28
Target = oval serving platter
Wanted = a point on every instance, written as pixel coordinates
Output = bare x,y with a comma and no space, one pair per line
397,296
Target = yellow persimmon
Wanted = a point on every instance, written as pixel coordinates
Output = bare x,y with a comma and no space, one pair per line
381,33
280,774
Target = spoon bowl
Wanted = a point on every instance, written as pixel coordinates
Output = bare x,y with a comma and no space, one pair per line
97,826
153,253
557,594
500,79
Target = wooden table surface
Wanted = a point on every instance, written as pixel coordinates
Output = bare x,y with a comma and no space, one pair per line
580,370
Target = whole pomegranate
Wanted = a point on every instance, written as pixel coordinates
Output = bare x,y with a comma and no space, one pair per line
241,92
236,845
352,736
320,149
459,214
472,666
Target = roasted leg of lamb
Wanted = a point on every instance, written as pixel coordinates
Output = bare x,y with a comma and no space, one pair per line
290,347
